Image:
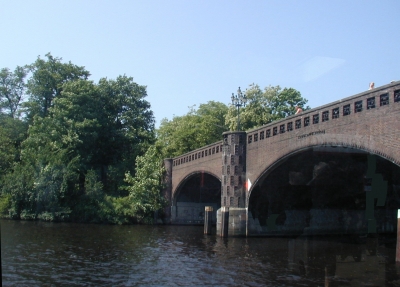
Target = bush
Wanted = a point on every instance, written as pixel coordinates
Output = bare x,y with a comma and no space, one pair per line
5,205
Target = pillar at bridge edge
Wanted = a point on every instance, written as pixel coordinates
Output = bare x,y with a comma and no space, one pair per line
233,183
233,169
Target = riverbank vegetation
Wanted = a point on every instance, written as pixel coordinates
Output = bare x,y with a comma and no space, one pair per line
75,150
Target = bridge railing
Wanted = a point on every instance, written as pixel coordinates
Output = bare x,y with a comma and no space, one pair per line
371,99
198,154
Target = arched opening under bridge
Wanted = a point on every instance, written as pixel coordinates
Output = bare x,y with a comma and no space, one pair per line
326,190
198,190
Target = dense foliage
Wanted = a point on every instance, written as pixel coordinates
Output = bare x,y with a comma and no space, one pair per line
66,157
144,189
12,90
195,129
72,149
265,106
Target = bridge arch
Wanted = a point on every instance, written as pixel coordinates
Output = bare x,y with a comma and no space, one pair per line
203,178
195,191
328,188
391,156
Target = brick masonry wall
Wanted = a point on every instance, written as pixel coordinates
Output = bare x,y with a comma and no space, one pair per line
376,130
373,129
207,159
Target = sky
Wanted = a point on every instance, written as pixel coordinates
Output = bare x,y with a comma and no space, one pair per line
189,52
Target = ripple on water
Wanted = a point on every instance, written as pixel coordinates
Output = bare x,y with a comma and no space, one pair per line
40,254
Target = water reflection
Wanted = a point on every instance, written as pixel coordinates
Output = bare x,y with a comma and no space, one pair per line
46,254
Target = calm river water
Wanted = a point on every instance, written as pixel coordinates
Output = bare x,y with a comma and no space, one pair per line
65,254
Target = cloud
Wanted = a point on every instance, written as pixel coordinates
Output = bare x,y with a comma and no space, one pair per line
317,66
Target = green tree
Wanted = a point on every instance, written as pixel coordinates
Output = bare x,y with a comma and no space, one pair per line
39,183
39,190
90,130
17,186
283,103
265,106
50,188
195,129
46,82
212,115
82,139
12,133
12,90
7,152
145,188
105,125
127,127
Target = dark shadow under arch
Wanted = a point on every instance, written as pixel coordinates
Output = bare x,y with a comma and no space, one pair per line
332,145
197,190
324,187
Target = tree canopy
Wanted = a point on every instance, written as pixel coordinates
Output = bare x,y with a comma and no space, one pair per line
265,106
12,90
82,139
46,82
199,127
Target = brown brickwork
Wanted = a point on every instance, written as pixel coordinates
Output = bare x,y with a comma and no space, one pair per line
233,193
368,121
207,159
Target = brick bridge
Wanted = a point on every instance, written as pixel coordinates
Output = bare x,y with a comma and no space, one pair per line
257,173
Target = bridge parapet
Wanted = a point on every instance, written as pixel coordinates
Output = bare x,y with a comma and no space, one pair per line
348,107
368,121
197,155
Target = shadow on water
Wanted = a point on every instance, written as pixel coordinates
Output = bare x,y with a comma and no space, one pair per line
65,254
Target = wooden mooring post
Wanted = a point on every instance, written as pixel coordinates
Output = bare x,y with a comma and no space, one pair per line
208,215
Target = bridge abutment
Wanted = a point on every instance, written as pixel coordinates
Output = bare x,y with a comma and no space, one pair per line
231,221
